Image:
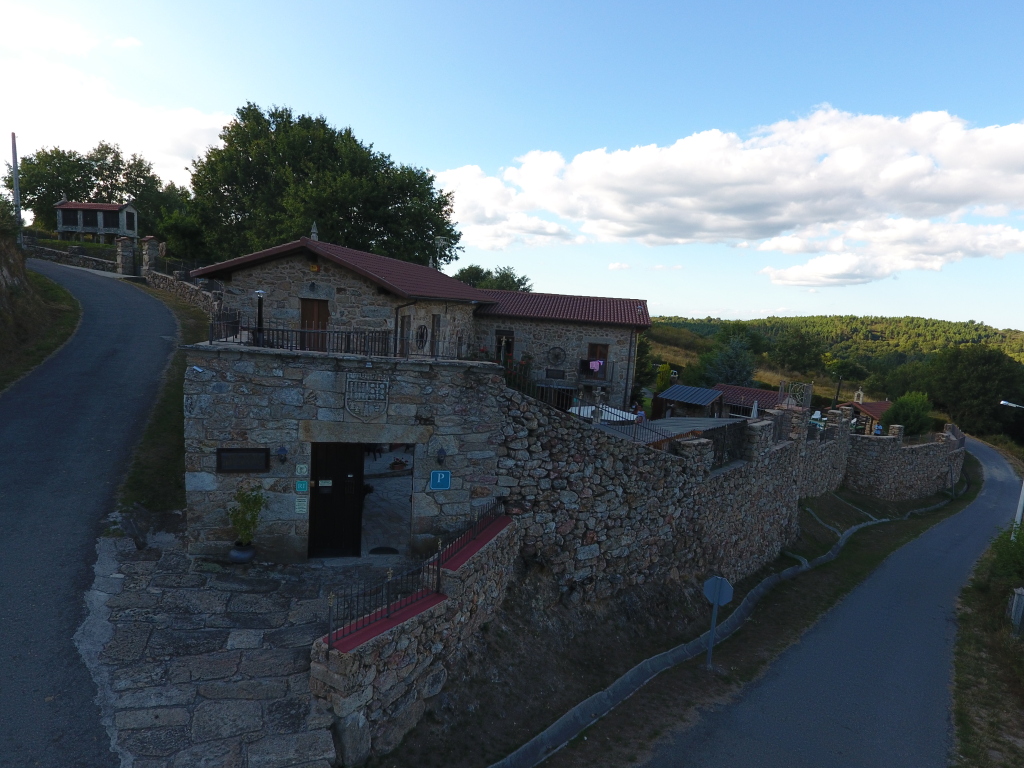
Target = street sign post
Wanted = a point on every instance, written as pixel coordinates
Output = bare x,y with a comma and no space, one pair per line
718,591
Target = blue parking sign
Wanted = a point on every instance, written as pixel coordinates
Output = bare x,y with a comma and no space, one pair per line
440,480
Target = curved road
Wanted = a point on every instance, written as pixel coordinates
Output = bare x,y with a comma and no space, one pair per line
66,434
869,684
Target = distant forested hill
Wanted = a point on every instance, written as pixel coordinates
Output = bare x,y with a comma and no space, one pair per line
885,340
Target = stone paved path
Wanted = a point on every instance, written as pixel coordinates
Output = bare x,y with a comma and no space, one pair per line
208,665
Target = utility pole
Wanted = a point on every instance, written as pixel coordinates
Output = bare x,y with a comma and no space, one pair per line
17,192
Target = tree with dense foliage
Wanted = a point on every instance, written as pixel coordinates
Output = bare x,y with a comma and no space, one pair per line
912,411
644,370
103,175
276,173
502,278
845,369
732,363
968,382
796,350
48,175
664,378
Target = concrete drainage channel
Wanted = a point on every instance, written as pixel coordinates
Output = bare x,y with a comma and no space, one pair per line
589,711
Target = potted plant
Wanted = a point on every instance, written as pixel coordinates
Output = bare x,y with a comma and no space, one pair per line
245,517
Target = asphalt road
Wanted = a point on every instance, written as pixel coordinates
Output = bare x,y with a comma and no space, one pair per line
869,685
66,434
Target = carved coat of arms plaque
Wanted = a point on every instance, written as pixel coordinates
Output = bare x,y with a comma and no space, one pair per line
366,396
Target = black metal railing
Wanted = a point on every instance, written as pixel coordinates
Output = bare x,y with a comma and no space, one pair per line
234,328
351,609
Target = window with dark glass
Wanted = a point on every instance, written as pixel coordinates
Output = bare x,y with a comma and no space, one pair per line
69,218
111,220
89,219
129,219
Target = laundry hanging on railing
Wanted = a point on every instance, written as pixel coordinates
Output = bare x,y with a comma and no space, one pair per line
595,365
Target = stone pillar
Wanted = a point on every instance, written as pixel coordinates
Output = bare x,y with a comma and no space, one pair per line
125,256
150,253
896,430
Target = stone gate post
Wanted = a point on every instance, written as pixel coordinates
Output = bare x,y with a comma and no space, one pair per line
150,253
125,256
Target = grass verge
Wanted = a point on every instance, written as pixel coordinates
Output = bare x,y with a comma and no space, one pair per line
988,685
156,479
55,324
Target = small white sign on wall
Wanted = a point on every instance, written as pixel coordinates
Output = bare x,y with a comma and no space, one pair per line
302,505
301,470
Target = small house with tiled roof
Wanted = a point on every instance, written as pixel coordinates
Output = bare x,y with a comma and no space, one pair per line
100,222
571,343
739,401
868,414
364,394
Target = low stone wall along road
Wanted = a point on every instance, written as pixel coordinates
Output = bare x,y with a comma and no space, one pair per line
66,434
869,685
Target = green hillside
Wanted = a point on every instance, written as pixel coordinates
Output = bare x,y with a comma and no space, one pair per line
888,340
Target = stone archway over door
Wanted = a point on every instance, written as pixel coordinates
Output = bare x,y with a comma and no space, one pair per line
336,500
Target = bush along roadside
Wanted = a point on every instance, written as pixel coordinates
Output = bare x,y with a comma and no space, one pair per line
988,693
655,703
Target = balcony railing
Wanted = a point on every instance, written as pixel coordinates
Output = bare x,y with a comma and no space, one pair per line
233,328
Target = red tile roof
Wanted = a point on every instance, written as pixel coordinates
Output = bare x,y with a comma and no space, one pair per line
90,206
553,306
745,396
874,409
410,281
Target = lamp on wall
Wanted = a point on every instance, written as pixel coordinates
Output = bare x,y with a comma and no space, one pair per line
442,454
282,454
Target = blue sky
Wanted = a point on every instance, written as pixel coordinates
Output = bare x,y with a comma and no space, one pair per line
834,157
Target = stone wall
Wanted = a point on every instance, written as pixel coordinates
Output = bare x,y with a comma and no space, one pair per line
602,512
883,467
238,397
377,690
823,463
209,302
71,259
538,337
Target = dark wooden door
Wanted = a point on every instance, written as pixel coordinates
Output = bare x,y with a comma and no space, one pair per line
336,500
314,317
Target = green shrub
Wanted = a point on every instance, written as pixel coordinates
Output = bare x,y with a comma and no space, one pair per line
1008,557
912,411
245,515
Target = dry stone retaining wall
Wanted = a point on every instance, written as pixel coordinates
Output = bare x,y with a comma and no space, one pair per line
377,690
205,300
71,259
883,467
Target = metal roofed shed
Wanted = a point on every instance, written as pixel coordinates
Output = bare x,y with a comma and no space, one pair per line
682,400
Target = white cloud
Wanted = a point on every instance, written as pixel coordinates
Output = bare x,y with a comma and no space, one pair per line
865,196
127,42
90,108
615,265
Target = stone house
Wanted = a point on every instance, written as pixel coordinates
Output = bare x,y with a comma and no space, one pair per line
103,222
681,400
326,361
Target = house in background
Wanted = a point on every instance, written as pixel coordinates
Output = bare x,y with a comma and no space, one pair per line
868,414
680,400
102,222
739,401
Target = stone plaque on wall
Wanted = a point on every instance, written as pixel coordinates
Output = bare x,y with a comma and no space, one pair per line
366,396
